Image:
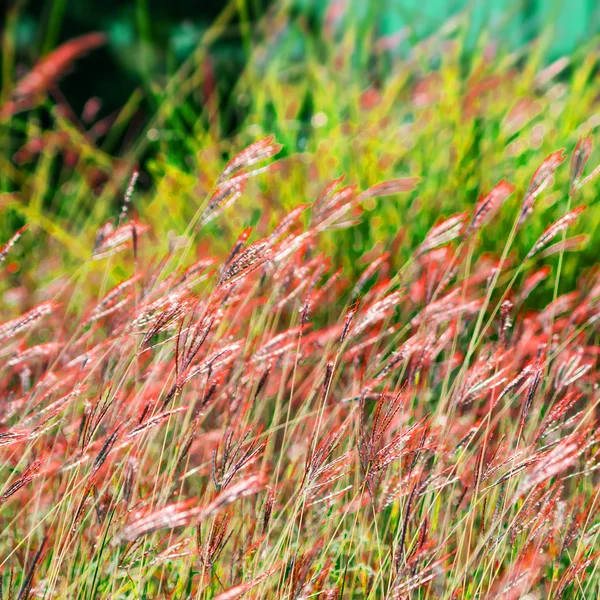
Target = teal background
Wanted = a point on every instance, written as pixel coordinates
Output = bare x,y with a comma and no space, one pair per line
568,23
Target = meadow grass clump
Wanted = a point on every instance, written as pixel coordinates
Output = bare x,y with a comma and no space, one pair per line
263,425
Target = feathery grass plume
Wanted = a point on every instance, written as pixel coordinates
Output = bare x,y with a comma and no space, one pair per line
46,73
248,260
131,470
54,408
535,513
231,184
56,64
554,462
171,516
378,311
114,300
572,244
102,455
249,486
487,206
336,201
579,159
165,316
287,222
443,233
389,188
237,246
13,436
173,552
316,464
505,321
569,372
533,382
376,456
194,274
558,307
446,308
213,363
6,248
25,591
256,152
531,282
589,178
278,344
160,314
268,510
554,229
128,195
235,456
416,579
181,514
368,273
224,195
153,421
27,476
349,317
35,353
523,378
120,239
218,536
11,328
326,195
539,182
336,204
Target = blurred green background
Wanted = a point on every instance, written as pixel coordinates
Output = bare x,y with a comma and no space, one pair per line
150,38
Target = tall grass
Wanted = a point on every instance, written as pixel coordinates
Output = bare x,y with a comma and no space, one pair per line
227,428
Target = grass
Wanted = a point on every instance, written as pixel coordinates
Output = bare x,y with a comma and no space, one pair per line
231,429
235,374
